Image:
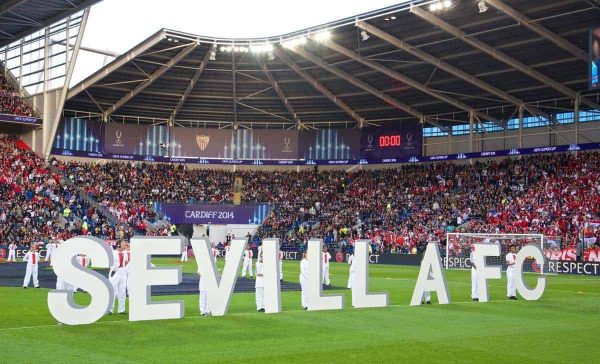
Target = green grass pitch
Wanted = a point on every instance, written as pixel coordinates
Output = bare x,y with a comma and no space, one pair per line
562,327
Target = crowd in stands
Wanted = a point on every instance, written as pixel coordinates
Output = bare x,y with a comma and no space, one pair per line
399,209
10,100
35,206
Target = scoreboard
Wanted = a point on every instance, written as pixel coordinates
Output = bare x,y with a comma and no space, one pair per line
380,143
386,141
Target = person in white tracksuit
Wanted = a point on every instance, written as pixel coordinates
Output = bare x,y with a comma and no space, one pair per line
32,258
184,254
351,273
50,248
259,251
118,279
428,293
511,257
226,252
351,276
474,292
203,298
326,259
304,280
12,252
83,261
259,285
247,266
127,268
280,257
63,285
215,252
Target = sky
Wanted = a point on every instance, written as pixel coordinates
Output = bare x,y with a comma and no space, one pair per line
118,25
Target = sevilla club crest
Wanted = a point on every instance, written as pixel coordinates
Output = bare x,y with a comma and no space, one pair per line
202,141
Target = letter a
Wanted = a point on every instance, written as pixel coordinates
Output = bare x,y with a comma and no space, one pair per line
431,263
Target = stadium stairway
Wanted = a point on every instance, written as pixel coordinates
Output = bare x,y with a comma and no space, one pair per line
89,200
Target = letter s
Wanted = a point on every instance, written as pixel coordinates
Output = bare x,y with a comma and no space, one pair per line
60,302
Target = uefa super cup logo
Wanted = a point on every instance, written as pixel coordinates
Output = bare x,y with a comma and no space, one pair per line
409,140
118,135
370,139
286,144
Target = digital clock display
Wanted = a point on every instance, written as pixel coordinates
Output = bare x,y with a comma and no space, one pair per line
396,141
389,141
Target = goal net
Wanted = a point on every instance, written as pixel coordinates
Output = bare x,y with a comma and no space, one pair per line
459,245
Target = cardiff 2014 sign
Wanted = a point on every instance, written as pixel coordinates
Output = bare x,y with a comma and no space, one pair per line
220,287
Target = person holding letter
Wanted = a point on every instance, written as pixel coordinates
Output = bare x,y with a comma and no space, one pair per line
118,279
203,300
511,257
352,272
474,294
280,264
247,266
184,254
326,259
260,286
304,281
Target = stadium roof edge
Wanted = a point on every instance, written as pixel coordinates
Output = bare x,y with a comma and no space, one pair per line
118,62
233,86
48,15
405,5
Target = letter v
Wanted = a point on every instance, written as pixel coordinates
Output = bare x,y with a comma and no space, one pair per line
219,289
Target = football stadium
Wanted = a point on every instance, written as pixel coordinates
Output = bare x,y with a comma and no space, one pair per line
412,181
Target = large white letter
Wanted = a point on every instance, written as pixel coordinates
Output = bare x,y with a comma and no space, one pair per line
361,298
60,302
485,272
271,275
144,277
316,300
219,289
524,290
431,263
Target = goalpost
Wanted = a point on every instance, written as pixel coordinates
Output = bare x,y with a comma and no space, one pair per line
458,249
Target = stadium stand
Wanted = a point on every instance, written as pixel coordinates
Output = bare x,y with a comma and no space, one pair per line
398,209
10,101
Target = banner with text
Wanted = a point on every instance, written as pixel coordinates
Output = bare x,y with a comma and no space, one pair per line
215,214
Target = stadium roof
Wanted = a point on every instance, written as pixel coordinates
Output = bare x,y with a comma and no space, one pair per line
409,63
19,18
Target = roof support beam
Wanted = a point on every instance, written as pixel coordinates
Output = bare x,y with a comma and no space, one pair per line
409,81
117,63
539,29
9,5
279,53
161,71
191,85
447,67
58,17
280,93
364,86
498,55
70,62
234,91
